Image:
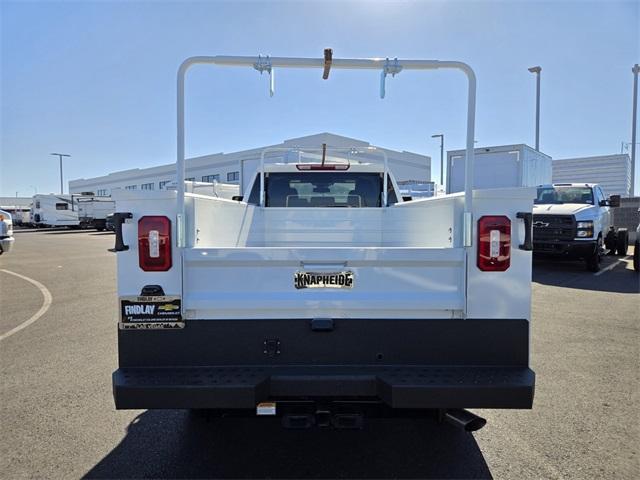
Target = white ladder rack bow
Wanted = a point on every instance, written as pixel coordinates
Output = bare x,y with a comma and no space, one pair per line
384,65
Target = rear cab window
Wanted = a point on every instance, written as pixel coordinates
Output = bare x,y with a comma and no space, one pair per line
323,189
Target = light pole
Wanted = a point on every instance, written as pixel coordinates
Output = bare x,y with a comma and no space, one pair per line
537,71
441,136
635,70
60,155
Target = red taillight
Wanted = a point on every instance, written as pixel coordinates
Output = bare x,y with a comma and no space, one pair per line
326,166
494,243
154,244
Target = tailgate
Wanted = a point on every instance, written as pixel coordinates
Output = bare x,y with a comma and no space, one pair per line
253,283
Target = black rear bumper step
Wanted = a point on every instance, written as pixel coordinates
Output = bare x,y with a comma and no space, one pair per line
400,387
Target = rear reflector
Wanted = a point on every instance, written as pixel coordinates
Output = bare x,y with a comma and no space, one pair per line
154,243
318,166
494,243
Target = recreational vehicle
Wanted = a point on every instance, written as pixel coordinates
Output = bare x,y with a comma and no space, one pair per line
54,211
93,211
84,210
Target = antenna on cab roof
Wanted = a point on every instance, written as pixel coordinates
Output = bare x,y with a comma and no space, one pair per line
324,153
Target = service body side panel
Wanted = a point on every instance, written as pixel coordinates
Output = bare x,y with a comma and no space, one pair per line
501,294
131,278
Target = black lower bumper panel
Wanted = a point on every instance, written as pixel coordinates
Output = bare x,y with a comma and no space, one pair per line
402,387
574,250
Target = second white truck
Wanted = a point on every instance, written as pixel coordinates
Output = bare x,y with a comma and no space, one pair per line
574,221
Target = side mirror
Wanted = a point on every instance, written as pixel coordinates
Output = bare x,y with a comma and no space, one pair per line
614,201
237,198
603,203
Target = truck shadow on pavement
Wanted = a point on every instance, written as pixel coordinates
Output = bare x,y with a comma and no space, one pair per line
619,279
175,444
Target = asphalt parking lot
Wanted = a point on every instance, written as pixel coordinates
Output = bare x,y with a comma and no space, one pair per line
58,418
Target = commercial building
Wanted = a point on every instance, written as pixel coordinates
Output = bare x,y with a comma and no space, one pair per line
239,167
612,172
14,202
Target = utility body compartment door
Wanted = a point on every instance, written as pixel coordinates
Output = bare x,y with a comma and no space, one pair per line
260,282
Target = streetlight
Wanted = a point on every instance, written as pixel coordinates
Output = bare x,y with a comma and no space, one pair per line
441,136
60,155
635,70
537,71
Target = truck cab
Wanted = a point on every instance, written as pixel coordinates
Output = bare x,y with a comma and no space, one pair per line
575,221
336,185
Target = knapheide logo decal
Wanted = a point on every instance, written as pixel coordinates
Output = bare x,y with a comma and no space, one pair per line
323,280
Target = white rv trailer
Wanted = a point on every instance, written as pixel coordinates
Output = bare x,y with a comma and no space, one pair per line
54,211
23,217
83,210
93,211
20,214
321,294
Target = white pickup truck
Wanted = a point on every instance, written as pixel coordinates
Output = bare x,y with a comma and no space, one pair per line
6,232
321,295
574,221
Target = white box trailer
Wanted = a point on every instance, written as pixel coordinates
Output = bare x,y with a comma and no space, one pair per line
500,167
93,211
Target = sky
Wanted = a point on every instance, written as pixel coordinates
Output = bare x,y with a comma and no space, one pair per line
97,79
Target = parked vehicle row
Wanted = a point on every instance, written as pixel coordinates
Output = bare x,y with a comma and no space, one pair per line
74,210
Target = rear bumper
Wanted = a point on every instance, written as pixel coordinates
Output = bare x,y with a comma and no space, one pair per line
408,387
235,364
573,249
6,244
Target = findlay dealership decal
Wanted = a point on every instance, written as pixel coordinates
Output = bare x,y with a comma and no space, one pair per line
150,313
323,280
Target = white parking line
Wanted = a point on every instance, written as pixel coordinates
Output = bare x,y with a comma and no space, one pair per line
612,266
45,305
